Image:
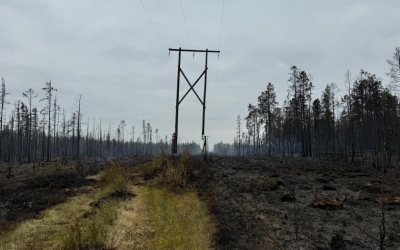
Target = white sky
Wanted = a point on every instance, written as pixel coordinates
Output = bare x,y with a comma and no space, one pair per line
109,52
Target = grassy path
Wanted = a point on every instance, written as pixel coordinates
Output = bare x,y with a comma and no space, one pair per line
132,228
94,218
120,212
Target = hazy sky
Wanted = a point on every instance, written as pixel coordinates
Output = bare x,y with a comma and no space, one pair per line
109,52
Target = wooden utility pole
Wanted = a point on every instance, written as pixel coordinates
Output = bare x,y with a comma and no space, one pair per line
205,147
203,102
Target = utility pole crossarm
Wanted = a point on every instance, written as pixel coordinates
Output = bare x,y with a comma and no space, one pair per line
195,50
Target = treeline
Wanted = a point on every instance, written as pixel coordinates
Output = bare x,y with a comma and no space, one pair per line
31,134
362,117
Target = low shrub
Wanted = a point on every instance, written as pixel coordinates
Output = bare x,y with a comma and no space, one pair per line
50,168
167,173
156,166
115,177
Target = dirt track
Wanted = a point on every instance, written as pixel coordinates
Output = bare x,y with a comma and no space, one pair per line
258,202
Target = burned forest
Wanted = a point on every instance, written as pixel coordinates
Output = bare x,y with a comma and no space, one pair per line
33,134
353,122
199,125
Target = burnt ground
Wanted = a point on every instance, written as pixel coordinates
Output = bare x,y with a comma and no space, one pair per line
259,204
26,199
33,188
264,204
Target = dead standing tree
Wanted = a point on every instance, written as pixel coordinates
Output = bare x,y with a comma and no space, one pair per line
79,115
3,95
238,132
149,136
35,127
122,126
144,135
55,109
30,94
43,123
48,89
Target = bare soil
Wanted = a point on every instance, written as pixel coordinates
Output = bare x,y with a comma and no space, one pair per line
300,204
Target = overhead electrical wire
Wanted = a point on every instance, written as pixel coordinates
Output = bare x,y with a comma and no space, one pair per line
190,43
157,32
220,29
219,41
194,64
219,48
187,31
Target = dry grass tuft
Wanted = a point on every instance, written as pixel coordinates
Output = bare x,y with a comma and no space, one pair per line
156,166
91,232
39,233
76,223
52,167
115,177
389,201
180,221
326,203
168,174
377,188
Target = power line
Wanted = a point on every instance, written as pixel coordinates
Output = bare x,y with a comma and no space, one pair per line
187,31
157,32
219,48
194,64
220,29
